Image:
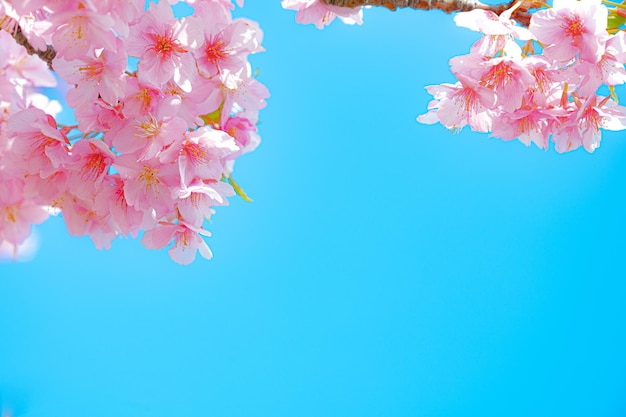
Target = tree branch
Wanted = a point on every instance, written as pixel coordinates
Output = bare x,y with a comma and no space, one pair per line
520,15
12,27
46,56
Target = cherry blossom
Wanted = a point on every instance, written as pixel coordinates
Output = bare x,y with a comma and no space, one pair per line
99,74
186,241
571,28
38,146
320,14
500,31
162,43
17,213
537,97
165,105
152,149
457,105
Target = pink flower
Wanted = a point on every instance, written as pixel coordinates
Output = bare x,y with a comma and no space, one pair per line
460,104
36,139
566,136
148,135
197,199
585,118
152,145
125,12
244,91
526,124
547,78
81,219
187,241
17,214
91,160
201,154
608,70
101,74
593,115
489,23
226,43
110,199
320,14
205,98
572,28
49,191
100,116
25,7
148,185
162,43
507,77
140,98
77,30
244,132
499,31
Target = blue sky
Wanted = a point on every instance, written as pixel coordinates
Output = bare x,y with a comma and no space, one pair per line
385,268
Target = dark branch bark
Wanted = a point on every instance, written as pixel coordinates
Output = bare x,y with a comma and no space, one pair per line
46,56
12,27
521,14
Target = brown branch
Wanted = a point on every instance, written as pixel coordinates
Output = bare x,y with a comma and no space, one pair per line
46,56
520,15
12,27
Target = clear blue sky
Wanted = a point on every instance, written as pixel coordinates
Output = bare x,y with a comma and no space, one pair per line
385,268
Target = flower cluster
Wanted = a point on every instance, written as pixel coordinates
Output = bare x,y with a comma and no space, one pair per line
154,144
537,84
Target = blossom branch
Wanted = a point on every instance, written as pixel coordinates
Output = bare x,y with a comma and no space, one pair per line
521,14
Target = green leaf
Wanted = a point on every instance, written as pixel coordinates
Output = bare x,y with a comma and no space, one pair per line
214,117
615,22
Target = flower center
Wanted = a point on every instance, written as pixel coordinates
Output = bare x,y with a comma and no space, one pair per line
573,26
165,46
215,50
498,76
150,179
10,213
149,128
94,167
92,70
197,154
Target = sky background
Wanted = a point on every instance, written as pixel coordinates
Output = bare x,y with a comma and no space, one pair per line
385,268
